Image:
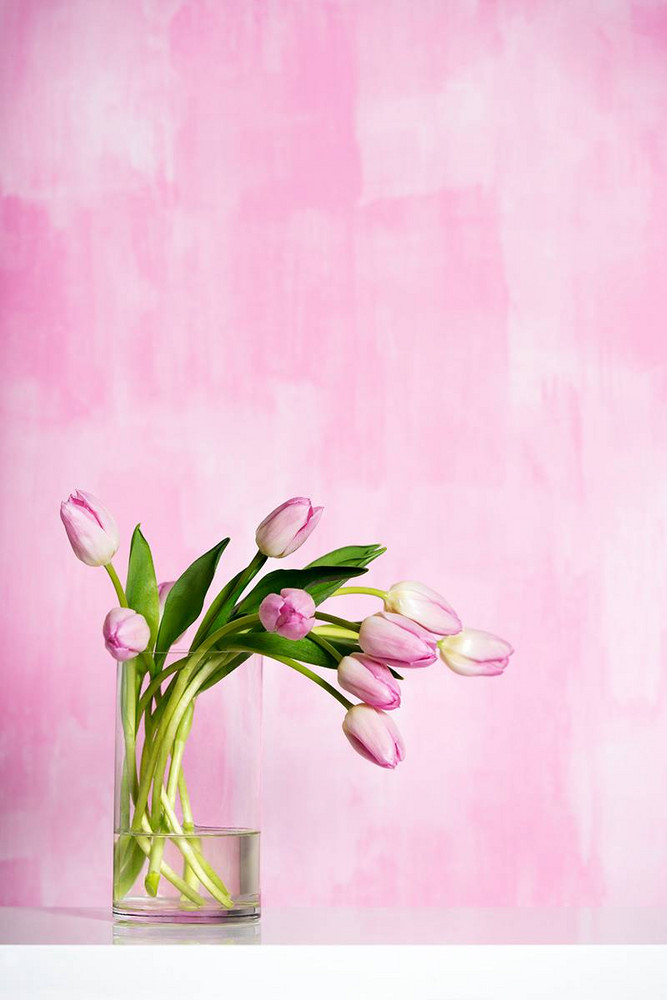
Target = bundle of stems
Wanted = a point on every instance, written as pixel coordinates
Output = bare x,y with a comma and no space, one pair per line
157,712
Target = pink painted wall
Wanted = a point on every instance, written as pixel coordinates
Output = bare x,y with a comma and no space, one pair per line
409,259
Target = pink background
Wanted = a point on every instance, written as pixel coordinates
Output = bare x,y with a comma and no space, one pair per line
409,259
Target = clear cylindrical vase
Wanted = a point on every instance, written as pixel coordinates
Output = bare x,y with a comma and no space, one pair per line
187,789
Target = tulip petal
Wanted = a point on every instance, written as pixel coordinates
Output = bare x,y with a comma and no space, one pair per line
397,641
424,606
369,680
374,735
90,527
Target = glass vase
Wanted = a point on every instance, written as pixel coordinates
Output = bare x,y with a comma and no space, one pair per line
187,789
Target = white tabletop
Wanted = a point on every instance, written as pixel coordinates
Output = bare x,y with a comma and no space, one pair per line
346,926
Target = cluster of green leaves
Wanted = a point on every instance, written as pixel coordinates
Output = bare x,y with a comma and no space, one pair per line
186,598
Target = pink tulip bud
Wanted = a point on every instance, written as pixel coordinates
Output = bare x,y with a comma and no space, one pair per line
424,606
287,527
163,593
397,641
475,654
374,735
90,527
289,613
369,680
126,633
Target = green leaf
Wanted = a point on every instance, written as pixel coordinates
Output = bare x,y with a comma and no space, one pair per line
304,579
268,643
186,599
141,589
222,607
350,555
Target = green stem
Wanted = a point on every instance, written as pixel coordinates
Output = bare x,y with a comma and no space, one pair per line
130,723
189,875
145,657
156,683
251,571
236,626
223,671
174,706
322,642
372,591
174,701
184,888
343,622
152,879
183,694
118,586
199,867
188,818
169,715
301,669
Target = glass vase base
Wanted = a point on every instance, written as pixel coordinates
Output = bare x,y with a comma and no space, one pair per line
163,911
208,876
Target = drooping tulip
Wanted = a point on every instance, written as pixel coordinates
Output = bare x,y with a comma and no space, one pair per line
473,653
424,606
289,613
90,527
287,527
126,633
374,735
397,641
369,680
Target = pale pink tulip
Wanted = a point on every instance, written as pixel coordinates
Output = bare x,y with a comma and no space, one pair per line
289,613
369,680
424,606
163,593
126,633
90,527
475,654
287,527
397,641
374,735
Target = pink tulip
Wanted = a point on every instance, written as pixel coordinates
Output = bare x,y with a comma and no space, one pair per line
475,654
369,680
374,735
126,633
163,593
397,641
90,527
289,613
424,606
287,527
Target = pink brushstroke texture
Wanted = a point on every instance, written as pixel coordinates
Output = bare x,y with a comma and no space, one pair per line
409,259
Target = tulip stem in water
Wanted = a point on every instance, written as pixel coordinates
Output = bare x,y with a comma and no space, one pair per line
372,591
153,875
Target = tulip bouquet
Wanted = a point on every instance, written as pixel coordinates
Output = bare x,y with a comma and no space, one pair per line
279,616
